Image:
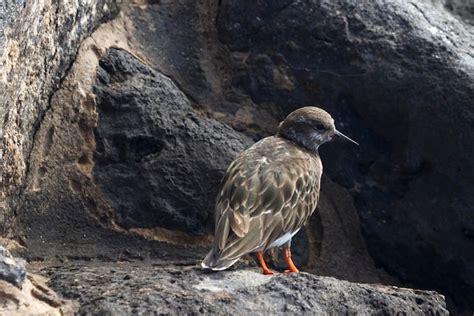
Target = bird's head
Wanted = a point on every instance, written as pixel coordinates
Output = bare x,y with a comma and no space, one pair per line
310,127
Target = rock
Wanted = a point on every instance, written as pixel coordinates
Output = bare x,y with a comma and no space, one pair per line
41,39
181,40
12,270
158,163
140,288
397,78
35,298
463,9
8,12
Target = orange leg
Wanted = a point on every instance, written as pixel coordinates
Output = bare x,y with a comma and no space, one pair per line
287,257
262,263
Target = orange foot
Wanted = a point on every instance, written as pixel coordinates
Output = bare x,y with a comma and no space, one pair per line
287,257
267,272
262,263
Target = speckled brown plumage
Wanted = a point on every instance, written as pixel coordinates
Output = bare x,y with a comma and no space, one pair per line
271,189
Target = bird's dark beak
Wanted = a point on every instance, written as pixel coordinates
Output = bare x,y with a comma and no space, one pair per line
339,134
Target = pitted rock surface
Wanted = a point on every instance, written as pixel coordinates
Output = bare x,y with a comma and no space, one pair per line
141,287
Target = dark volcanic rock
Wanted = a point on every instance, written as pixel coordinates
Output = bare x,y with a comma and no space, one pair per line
138,288
180,39
158,163
398,78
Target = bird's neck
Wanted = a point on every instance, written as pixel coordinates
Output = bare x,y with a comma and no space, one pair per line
301,140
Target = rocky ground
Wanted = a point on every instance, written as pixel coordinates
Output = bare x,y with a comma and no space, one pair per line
127,288
118,119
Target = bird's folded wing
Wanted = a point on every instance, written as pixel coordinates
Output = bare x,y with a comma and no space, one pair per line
260,187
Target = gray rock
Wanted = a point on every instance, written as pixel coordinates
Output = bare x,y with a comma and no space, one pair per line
8,12
397,76
12,269
141,288
158,163
464,9
41,41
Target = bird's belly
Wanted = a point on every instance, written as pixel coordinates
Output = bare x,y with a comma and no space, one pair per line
280,241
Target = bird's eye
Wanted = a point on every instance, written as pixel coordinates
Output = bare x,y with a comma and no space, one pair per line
320,127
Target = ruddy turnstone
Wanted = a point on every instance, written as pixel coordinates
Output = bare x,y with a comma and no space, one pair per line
270,190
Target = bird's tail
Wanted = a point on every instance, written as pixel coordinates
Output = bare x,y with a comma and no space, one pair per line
215,261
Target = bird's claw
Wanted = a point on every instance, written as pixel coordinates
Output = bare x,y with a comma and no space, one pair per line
267,272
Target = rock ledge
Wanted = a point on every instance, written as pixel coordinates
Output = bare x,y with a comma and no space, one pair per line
139,287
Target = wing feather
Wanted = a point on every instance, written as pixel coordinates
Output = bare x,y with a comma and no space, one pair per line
222,231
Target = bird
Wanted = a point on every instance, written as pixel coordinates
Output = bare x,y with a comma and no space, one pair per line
270,191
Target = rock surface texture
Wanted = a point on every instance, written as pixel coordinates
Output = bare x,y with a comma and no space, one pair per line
118,119
40,43
141,288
